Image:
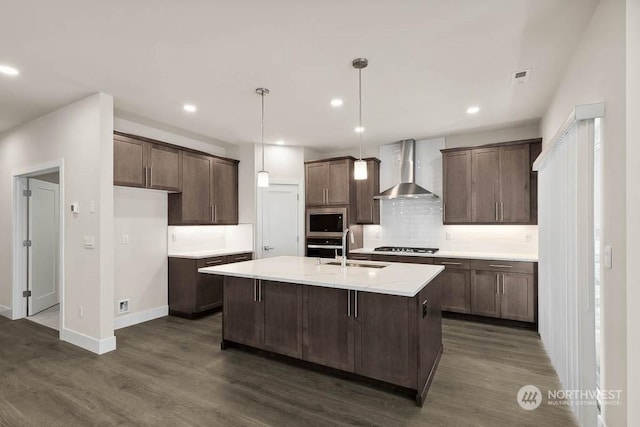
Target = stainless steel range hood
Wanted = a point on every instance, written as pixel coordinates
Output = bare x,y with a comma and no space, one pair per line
407,188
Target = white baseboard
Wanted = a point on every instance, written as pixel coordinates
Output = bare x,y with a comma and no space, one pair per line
94,345
6,312
140,317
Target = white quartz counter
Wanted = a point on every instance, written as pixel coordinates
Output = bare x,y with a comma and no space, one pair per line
457,254
394,279
207,254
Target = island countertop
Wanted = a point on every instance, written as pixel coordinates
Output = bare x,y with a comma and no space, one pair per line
393,279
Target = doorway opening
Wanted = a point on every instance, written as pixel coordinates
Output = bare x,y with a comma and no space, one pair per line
38,249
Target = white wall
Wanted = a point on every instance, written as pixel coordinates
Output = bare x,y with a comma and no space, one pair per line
596,73
141,266
633,211
508,133
80,136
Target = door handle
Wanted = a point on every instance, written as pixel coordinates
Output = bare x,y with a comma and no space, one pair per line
267,248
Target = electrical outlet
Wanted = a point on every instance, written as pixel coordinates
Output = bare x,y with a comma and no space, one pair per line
123,306
125,239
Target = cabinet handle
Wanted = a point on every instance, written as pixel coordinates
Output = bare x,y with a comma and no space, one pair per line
255,290
241,258
496,210
501,211
214,262
212,213
355,293
327,190
360,258
150,177
260,290
371,213
145,176
502,284
497,283
444,212
501,265
450,263
215,213
348,303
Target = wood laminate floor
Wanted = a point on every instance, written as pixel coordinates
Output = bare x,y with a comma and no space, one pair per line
172,372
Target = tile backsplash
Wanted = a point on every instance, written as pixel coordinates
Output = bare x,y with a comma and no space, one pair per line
196,238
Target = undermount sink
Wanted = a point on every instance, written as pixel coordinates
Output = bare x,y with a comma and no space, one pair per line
356,264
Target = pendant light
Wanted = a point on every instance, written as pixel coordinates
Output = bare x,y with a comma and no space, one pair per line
360,166
263,175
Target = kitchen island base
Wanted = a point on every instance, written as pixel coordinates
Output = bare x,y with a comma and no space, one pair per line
386,340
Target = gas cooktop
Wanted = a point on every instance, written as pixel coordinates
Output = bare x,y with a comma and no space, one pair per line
406,249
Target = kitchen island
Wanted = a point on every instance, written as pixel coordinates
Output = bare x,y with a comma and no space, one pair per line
371,321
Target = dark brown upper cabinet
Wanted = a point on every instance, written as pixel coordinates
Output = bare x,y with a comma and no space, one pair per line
143,164
330,182
209,192
368,208
492,184
456,168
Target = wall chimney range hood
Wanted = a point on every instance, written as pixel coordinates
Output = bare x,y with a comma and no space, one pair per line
407,188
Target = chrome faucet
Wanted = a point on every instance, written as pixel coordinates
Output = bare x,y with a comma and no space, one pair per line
344,245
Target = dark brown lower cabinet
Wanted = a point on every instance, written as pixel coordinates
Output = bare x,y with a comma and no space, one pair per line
328,328
485,299
456,290
393,339
192,294
282,305
510,296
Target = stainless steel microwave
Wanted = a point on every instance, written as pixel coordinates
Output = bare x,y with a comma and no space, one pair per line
326,222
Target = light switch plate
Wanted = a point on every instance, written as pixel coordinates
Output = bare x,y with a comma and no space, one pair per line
92,206
89,242
608,256
75,207
125,239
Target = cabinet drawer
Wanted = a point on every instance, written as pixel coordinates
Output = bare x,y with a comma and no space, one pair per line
212,262
360,257
240,257
503,266
452,263
402,258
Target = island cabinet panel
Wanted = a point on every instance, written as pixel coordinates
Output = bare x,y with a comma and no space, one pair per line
282,306
428,304
385,338
485,299
328,327
243,314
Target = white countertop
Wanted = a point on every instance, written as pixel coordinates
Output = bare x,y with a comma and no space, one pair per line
207,253
457,254
394,279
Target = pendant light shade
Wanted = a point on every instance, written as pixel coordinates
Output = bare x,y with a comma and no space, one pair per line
360,166
263,175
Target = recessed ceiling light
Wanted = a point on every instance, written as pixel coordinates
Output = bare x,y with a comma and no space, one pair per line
473,110
337,102
189,108
359,129
10,71
280,142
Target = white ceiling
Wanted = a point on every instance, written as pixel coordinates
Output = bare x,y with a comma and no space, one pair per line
428,61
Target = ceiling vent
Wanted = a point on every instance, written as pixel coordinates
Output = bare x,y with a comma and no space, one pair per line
522,76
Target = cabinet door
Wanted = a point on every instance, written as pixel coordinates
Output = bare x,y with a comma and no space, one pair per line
517,298
128,162
485,177
456,290
385,338
485,299
209,286
515,177
164,167
456,170
339,182
243,315
368,208
196,189
282,305
225,192
328,327
317,177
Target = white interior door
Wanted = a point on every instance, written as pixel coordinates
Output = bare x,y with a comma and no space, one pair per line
280,207
43,256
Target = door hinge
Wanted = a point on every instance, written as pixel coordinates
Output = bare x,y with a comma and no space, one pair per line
26,294
26,243
26,193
